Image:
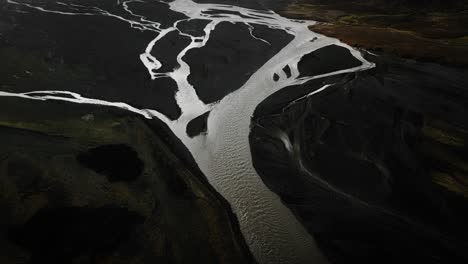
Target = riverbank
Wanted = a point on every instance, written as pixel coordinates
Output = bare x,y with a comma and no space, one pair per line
375,166
136,201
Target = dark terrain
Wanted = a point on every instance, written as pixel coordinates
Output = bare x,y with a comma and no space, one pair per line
90,184
377,167
377,170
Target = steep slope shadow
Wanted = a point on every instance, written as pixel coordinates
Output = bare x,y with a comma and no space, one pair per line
118,162
59,235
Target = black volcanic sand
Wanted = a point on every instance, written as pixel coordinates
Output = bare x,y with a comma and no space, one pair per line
167,49
157,11
95,56
394,138
98,57
198,125
194,27
230,57
287,70
328,59
139,204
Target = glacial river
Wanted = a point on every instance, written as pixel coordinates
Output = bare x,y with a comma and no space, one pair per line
223,154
